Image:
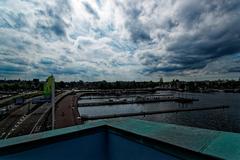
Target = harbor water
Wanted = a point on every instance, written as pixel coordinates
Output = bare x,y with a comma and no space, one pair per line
220,119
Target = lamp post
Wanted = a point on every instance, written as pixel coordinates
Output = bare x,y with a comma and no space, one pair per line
53,102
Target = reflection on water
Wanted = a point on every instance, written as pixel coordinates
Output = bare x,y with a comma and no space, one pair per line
222,119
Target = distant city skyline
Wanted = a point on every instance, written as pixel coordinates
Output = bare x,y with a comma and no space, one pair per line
120,40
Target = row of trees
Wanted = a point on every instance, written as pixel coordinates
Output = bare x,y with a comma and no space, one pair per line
106,85
19,86
174,84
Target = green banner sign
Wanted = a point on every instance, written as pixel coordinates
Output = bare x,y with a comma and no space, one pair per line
47,90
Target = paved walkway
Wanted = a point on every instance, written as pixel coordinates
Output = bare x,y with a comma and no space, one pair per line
66,112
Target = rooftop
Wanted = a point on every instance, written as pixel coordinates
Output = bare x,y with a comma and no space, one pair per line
123,138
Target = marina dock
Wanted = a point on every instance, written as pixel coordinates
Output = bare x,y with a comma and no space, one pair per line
150,99
151,112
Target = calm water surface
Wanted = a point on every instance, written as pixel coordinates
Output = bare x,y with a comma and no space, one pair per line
221,119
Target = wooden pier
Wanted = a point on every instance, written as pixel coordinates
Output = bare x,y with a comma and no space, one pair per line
151,112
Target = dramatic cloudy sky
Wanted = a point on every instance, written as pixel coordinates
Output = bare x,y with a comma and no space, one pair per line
120,39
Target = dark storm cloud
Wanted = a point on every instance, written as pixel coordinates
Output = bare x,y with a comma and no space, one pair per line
137,30
59,70
69,71
234,69
47,61
50,31
12,20
19,61
90,10
11,69
13,42
138,34
55,26
206,31
99,3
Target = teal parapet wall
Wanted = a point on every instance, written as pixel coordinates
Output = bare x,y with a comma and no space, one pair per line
123,138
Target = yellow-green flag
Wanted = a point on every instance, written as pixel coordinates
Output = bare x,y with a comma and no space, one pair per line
47,90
